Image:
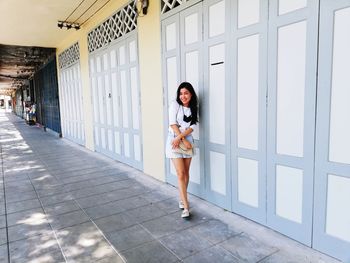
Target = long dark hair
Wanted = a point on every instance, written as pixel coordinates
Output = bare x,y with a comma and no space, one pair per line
193,102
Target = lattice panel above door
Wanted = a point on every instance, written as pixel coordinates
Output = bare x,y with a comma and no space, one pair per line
69,56
168,5
116,26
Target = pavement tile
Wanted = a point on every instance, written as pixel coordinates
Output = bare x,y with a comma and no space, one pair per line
105,179
114,259
285,257
24,231
133,202
68,219
22,205
106,198
169,206
215,231
33,247
3,237
105,210
129,238
185,243
153,252
145,213
84,242
23,196
155,196
3,254
52,190
55,199
32,216
164,225
2,221
55,256
213,254
115,222
247,249
62,208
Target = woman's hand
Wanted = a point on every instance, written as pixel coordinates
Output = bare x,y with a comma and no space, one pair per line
175,143
187,144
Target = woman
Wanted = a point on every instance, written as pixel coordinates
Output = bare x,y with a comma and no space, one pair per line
183,118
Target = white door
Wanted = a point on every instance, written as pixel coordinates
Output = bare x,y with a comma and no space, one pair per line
184,52
249,93
332,167
196,51
71,104
292,62
116,101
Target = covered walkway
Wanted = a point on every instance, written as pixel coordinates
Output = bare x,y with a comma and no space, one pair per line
62,203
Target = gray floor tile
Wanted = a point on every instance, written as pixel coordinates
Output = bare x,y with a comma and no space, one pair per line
23,205
24,231
106,198
84,242
145,213
3,254
2,221
2,204
150,252
115,222
105,210
56,199
247,249
31,216
293,256
114,259
3,236
155,196
162,226
55,256
33,247
185,243
215,231
129,238
68,219
211,255
133,202
21,197
62,208
95,200
169,206
54,190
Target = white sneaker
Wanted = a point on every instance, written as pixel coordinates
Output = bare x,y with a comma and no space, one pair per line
185,214
181,205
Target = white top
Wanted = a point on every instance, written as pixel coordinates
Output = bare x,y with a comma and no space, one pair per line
176,115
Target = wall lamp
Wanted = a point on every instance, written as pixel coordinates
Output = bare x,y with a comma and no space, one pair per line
68,25
144,5
141,6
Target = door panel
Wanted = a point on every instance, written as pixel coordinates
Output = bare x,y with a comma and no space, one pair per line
184,51
248,121
71,104
291,120
332,170
116,101
216,102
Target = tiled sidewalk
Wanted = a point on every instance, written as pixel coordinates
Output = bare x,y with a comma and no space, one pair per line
62,203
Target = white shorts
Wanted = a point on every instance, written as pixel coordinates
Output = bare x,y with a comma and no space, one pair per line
168,150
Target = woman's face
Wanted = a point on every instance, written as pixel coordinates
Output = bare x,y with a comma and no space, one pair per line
185,96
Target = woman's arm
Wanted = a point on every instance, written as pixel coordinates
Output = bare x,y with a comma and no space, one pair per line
181,136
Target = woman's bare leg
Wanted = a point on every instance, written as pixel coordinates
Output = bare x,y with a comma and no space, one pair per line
180,167
187,162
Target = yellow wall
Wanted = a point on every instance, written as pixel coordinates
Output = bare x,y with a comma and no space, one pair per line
151,91
150,82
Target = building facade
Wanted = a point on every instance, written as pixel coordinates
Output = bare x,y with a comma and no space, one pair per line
273,86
